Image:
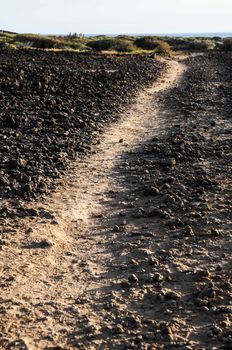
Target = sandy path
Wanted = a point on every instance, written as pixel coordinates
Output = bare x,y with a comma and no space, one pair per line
47,286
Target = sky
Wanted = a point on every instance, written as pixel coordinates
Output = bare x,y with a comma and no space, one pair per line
115,16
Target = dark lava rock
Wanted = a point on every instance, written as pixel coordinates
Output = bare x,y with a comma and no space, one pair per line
151,191
53,105
133,279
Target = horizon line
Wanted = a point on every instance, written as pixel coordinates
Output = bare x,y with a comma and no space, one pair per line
121,33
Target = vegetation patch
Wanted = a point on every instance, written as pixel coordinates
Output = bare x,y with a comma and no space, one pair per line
161,45
226,45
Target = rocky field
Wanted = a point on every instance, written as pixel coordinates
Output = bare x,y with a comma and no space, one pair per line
144,262
177,293
53,107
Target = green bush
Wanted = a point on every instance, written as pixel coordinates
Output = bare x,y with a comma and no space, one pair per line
152,43
201,45
100,37
39,41
226,45
125,37
7,46
100,45
3,39
111,44
191,44
163,48
77,44
146,43
123,46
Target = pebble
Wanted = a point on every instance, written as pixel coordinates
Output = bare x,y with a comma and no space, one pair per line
154,277
118,329
46,243
133,279
153,261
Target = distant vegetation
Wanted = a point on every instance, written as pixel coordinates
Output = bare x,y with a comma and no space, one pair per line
121,44
226,45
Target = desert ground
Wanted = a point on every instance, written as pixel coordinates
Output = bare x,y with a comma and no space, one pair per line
115,188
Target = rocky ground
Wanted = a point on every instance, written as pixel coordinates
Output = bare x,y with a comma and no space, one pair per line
150,267
53,107
177,233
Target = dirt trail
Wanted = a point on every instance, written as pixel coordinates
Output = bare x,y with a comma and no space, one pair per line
53,291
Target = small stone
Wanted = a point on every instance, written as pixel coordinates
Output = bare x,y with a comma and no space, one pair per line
166,186
151,191
154,277
170,162
202,273
46,243
22,162
215,232
32,212
18,344
133,279
118,329
153,261
4,181
125,284
139,213
134,262
189,231
172,295
116,228
200,302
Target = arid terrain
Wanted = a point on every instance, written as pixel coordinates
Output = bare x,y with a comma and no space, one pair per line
115,186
